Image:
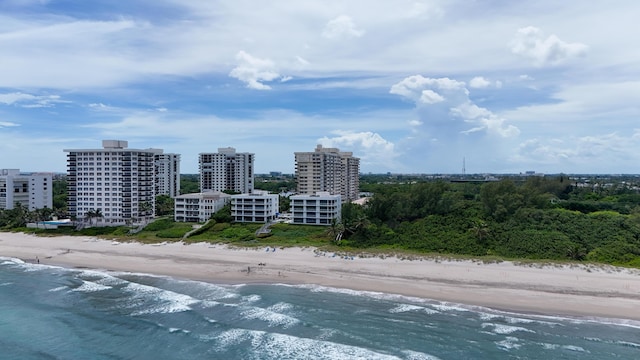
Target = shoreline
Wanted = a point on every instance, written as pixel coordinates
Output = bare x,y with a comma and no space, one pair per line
570,291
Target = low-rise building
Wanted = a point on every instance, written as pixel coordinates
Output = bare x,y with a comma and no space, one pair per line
259,206
31,190
199,207
318,209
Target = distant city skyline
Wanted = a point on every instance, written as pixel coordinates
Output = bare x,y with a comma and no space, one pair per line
408,86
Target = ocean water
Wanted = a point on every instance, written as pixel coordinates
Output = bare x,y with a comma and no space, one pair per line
56,313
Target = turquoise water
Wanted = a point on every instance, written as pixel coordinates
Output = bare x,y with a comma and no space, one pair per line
56,313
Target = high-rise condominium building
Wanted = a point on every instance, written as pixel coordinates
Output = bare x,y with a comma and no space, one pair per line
328,170
32,190
226,170
167,170
117,180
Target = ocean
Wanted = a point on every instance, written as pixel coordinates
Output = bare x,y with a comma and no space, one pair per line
56,313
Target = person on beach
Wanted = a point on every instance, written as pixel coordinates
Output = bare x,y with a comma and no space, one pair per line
37,260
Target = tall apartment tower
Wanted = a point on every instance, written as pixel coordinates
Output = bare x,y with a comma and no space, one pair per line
226,170
116,180
167,171
32,190
328,170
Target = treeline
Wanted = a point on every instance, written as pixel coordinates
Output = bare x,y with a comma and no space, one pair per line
538,218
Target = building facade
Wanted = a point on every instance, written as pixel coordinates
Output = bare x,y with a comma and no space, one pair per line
199,207
226,170
33,191
260,207
318,209
328,170
116,180
167,172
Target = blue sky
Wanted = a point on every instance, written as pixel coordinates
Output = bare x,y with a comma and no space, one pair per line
409,86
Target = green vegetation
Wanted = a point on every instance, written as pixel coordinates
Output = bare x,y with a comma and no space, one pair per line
189,183
533,218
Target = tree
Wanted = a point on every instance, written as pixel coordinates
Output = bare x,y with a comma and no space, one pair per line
144,208
284,204
93,214
89,215
164,205
480,230
354,218
98,214
223,215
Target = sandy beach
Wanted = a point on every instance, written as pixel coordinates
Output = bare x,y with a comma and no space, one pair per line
581,290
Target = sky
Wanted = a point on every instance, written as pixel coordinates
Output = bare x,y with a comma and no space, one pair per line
408,86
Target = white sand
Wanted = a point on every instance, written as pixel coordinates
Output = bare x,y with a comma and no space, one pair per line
554,290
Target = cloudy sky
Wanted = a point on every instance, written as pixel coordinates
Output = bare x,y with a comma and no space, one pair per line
409,86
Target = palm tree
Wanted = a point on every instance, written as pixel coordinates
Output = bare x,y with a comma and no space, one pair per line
335,230
89,215
480,229
576,252
144,208
97,214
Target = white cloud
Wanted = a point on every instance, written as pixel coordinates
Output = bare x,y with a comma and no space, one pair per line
430,97
479,82
253,71
4,124
421,9
451,102
530,43
578,152
30,101
369,146
413,87
12,98
341,27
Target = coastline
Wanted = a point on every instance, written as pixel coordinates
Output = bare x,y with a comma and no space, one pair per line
575,291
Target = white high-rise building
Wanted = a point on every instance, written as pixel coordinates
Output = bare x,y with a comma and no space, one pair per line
116,180
328,170
32,191
226,170
167,170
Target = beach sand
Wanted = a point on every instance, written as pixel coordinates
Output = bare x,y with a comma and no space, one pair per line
581,290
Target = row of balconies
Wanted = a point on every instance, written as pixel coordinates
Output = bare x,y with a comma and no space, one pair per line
314,215
315,209
254,213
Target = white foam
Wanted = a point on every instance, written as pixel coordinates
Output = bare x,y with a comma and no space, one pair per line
270,317
89,286
447,307
628,343
280,307
509,343
164,301
251,298
59,288
415,308
414,355
574,348
233,337
10,260
281,346
505,329
6,284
